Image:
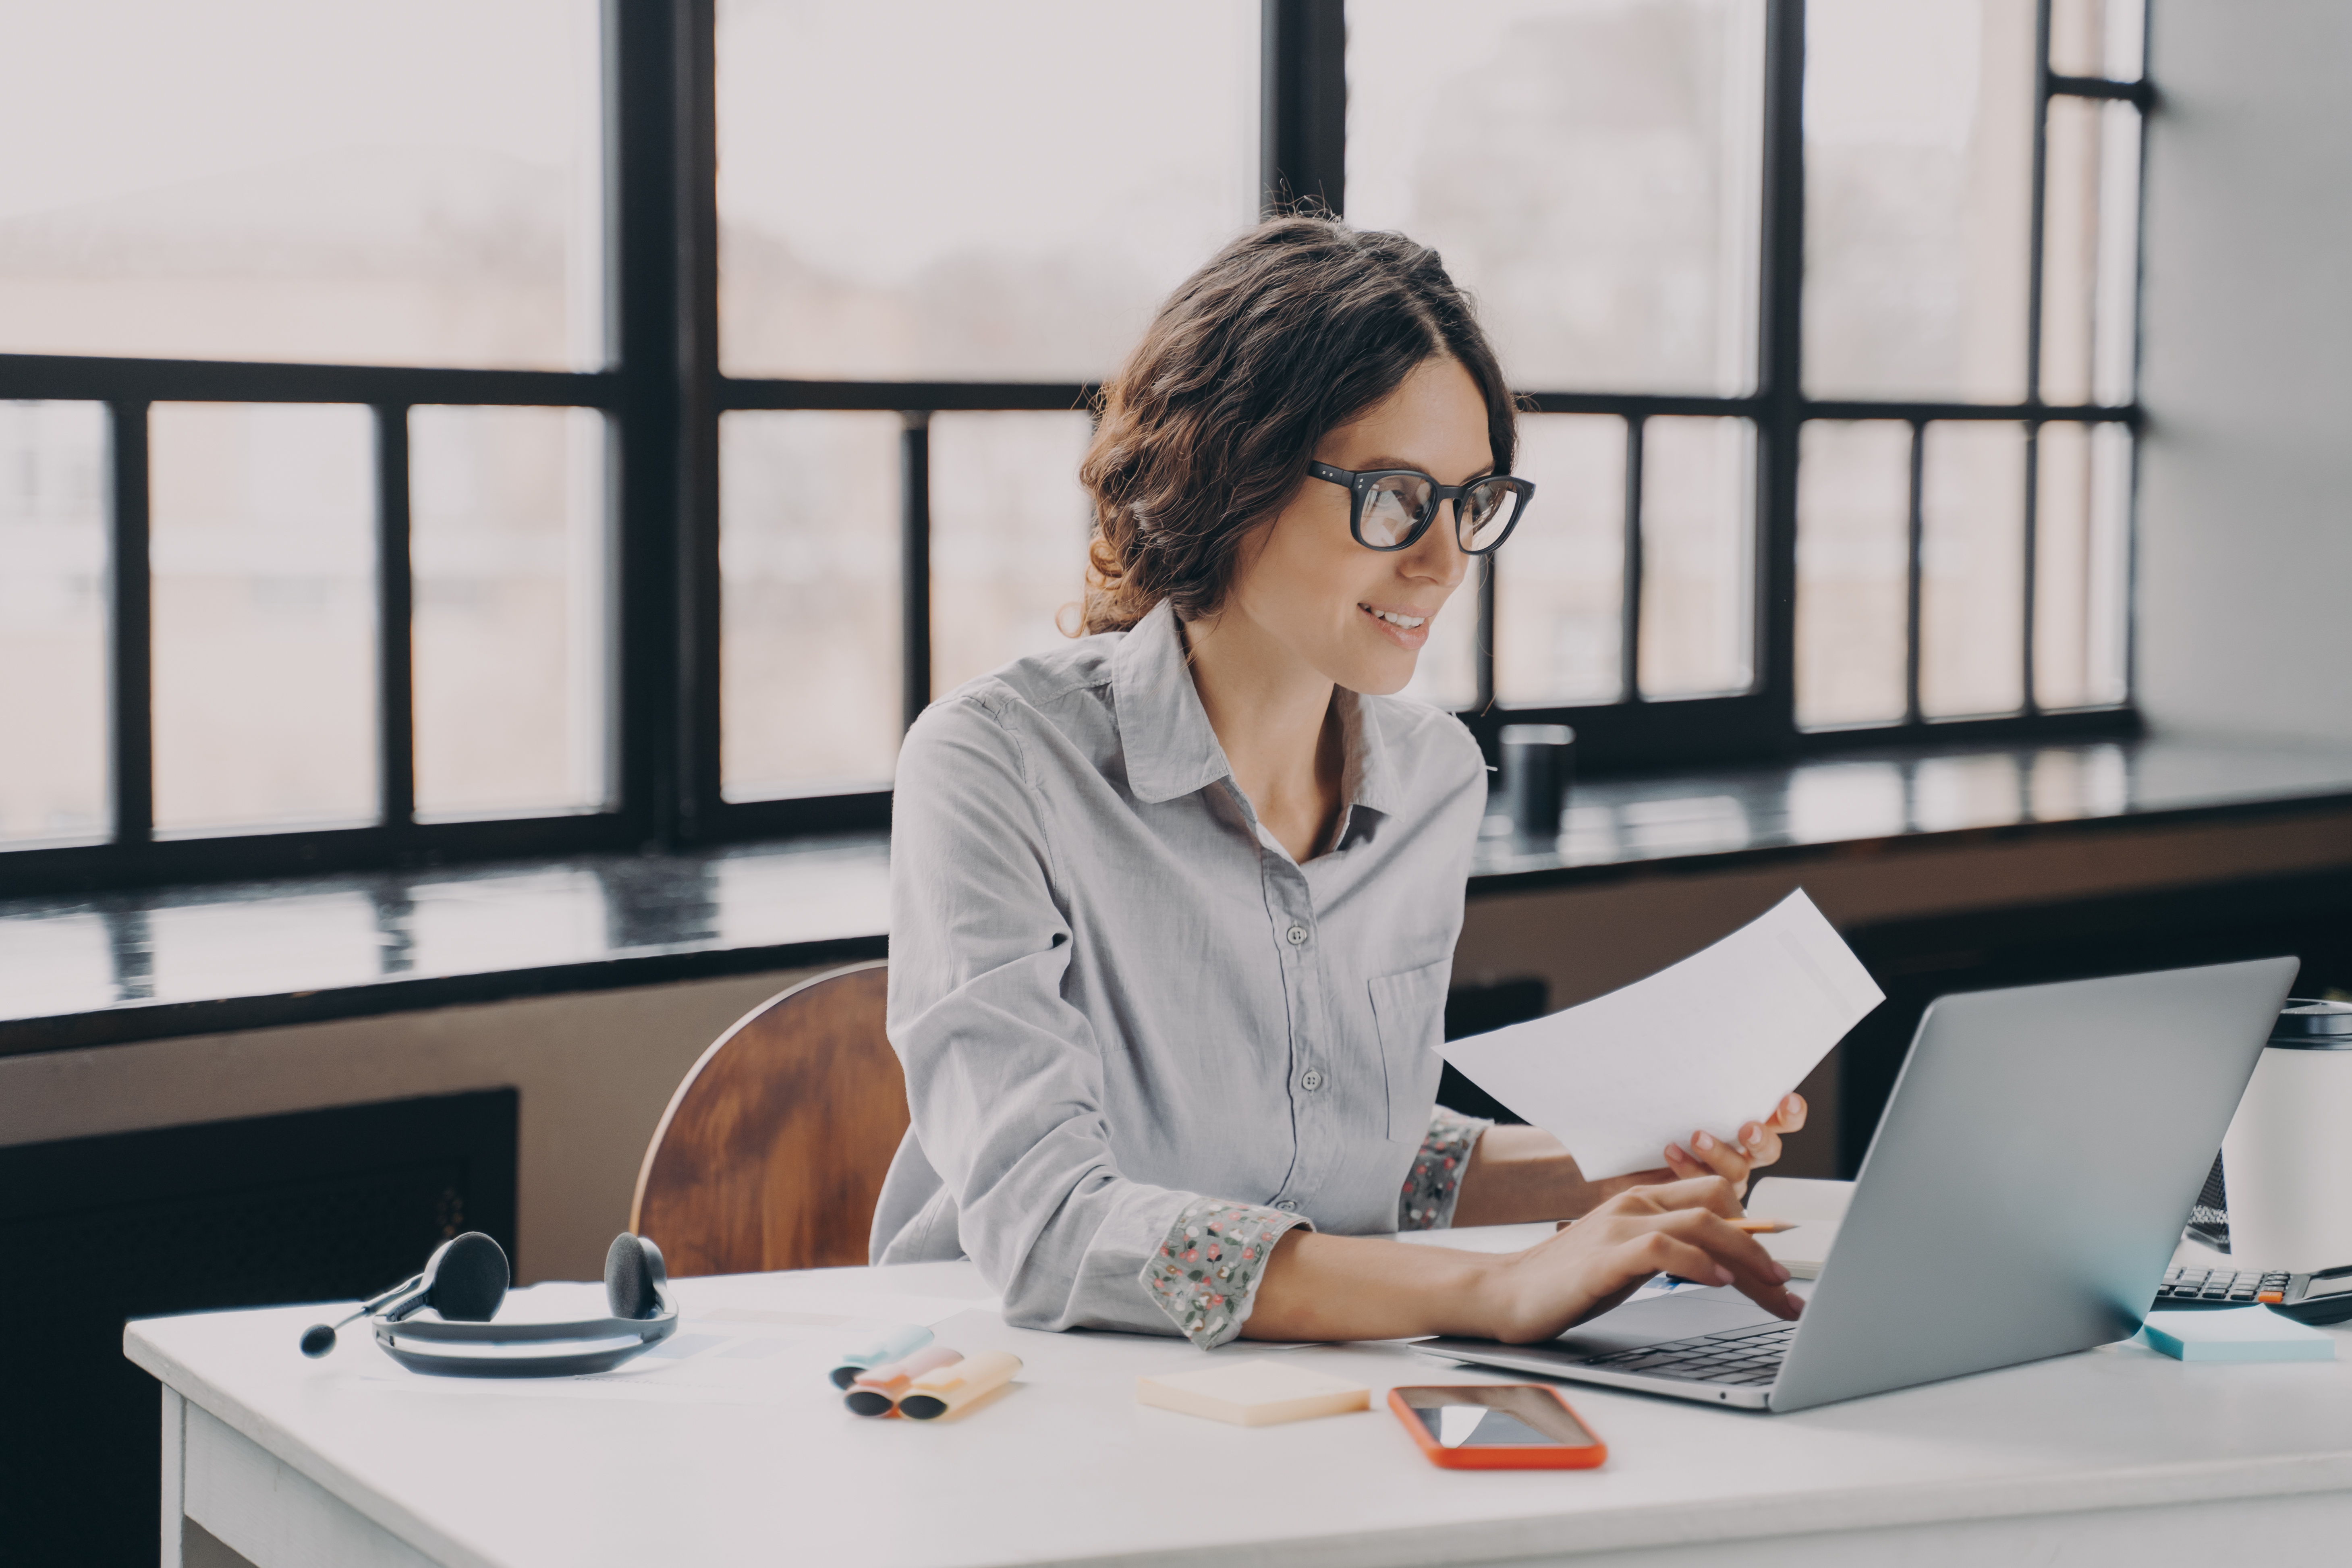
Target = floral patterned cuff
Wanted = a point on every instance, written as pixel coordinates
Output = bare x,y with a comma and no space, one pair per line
1205,1274
1433,1185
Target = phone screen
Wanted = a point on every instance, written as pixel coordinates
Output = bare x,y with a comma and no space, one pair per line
1512,1415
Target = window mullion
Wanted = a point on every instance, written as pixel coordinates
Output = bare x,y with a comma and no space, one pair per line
915,563
1914,539
1629,614
644,69
2029,583
2035,215
2037,222
1780,361
693,740
131,631
1303,113
396,638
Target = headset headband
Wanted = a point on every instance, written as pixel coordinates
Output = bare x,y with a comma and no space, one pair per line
411,1342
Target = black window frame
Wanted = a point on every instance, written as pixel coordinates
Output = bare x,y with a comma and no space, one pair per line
665,394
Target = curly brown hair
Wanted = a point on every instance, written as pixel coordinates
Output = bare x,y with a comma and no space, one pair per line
1291,330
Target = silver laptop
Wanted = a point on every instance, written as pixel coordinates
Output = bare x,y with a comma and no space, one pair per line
2021,1198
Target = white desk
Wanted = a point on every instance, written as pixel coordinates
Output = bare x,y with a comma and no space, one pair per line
2117,1456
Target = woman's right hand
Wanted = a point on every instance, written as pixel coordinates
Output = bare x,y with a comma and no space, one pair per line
1676,1227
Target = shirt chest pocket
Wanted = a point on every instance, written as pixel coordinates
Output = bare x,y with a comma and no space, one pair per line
1410,1009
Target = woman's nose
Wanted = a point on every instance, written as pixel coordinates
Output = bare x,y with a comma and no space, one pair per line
1438,555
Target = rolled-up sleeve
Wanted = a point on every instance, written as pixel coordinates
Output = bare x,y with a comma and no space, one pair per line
1209,1267
1433,1187
1004,1078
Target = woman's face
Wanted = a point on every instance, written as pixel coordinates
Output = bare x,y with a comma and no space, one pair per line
1359,616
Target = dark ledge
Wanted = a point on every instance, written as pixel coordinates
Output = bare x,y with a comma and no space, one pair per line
1696,818
119,967
108,968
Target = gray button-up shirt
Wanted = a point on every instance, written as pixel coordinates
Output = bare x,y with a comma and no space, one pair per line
1116,994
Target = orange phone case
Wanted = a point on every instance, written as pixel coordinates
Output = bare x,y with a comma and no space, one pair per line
1560,1456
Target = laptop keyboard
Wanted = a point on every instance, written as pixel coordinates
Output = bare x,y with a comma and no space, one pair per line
1745,1358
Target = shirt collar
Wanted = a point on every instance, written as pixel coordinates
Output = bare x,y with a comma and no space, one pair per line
1172,751
1367,777
1164,732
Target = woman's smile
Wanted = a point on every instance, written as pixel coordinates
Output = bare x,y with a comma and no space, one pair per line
1405,626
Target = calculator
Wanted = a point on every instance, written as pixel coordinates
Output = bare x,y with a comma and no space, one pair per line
2322,1297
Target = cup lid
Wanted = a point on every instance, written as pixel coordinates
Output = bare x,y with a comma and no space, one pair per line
2309,1024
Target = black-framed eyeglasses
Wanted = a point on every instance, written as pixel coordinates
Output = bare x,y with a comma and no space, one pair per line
1390,509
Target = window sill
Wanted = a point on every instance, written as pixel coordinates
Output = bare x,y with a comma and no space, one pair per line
121,967
1863,802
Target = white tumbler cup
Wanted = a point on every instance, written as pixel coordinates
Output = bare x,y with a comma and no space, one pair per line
2287,1159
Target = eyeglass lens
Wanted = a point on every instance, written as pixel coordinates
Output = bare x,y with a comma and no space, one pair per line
1396,504
1485,512
1393,509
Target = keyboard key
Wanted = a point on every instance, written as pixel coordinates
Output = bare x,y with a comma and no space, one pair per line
1747,1357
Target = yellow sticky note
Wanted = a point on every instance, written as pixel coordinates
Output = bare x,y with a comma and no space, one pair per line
1257,1392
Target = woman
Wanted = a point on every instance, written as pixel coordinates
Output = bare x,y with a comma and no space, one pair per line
1173,909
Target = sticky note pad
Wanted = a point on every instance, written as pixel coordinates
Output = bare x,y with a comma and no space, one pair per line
1802,1250
1257,1392
2236,1333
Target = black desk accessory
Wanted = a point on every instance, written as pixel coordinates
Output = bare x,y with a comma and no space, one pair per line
2322,1297
1538,762
464,1282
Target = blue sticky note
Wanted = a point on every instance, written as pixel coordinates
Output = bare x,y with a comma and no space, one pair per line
2236,1333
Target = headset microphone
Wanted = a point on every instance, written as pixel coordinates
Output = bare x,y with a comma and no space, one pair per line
319,1338
464,1282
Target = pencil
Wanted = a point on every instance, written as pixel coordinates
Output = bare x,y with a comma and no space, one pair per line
1763,1227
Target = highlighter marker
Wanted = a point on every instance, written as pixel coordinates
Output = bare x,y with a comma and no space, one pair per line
902,1341
876,1391
947,1388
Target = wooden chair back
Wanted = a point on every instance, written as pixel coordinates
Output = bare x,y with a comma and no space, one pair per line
772,1151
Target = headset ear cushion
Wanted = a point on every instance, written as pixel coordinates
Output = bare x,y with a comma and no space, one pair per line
470,1281
632,1277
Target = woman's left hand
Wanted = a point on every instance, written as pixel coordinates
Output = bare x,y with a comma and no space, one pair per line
1758,1144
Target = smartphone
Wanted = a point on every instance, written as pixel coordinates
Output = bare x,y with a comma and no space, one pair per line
1497,1426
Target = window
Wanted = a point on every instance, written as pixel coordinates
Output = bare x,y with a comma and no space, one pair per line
1887,252
573,423
281,180
964,243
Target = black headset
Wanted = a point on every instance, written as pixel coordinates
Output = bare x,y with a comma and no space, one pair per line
465,1280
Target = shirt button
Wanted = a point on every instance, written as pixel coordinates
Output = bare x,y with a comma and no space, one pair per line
1296,936
1287,1206
1310,1080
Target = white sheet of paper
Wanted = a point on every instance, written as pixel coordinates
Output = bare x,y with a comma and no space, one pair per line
1711,1042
